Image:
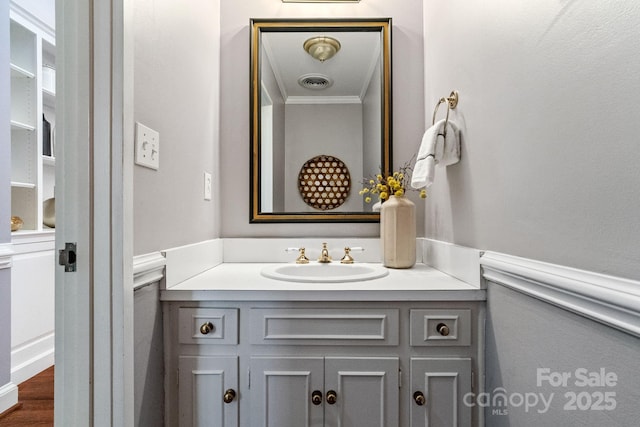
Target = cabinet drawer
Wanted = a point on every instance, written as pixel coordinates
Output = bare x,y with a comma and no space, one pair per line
324,326
208,325
440,327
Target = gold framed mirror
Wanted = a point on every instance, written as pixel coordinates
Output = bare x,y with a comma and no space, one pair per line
320,89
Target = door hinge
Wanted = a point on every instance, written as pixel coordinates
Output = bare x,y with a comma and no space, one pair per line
67,257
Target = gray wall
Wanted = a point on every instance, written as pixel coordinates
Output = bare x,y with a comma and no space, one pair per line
525,334
549,108
177,93
315,129
408,108
5,196
148,354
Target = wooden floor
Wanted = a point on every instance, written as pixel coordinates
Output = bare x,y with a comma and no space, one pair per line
35,403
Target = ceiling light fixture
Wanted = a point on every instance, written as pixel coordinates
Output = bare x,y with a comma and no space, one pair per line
322,48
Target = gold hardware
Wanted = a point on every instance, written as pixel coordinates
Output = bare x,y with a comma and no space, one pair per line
206,328
332,397
302,258
316,397
419,398
229,395
347,258
324,255
322,47
442,329
452,103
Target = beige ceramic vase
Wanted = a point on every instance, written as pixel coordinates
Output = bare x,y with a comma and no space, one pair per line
398,232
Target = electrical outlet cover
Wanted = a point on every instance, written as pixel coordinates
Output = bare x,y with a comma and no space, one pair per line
147,147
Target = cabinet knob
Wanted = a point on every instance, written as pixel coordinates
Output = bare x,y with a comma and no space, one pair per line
229,395
332,397
442,329
206,328
316,397
419,398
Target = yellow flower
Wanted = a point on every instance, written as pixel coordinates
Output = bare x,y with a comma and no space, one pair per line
379,177
423,194
384,195
371,182
399,193
367,199
366,190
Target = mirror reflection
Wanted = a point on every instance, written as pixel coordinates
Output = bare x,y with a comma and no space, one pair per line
320,117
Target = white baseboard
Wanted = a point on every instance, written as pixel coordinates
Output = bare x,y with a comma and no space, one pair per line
184,262
273,249
8,396
460,262
610,300
32,357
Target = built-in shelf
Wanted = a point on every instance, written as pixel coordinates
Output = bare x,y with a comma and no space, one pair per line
48,160
48,98
17,71
46,231
32,48
22,126
22,184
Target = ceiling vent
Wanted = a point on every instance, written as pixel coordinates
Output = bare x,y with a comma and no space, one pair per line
315,81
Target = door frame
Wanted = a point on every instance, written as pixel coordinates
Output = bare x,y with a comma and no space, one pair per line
94,188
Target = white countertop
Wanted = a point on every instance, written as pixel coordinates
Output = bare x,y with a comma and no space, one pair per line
243,282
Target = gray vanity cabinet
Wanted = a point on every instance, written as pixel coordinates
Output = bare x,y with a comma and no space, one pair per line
207,391
319,392
438,389
297,363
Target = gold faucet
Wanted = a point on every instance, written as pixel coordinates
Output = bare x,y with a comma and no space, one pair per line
324,255
302,258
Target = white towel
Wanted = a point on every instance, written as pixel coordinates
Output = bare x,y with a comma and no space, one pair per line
436,149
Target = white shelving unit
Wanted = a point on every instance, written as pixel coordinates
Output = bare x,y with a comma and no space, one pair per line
32,46
32,174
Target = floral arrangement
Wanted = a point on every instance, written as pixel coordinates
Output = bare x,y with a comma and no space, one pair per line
395,184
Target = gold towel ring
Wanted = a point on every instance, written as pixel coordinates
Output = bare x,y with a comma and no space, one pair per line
452,103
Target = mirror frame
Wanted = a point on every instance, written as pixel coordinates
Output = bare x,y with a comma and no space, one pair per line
258,26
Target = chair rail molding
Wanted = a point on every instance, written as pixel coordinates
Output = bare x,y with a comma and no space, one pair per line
606,299
6,252
148,269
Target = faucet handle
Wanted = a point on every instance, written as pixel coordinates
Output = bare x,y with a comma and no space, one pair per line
347,258
302,258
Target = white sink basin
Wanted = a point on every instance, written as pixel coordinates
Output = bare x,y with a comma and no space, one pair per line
324,273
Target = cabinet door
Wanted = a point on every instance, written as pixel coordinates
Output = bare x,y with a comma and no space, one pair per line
443,383
202,384
281,391
367,391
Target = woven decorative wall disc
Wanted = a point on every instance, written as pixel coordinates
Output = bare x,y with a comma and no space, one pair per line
324,182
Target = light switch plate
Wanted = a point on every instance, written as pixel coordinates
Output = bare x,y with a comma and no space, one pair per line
207,186
147,147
